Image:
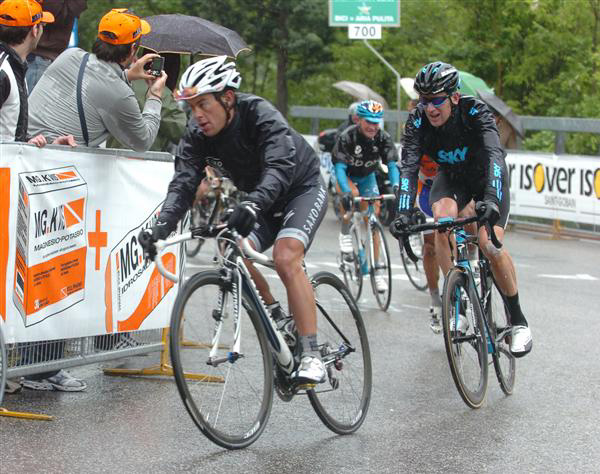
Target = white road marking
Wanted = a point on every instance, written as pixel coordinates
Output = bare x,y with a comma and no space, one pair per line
579,276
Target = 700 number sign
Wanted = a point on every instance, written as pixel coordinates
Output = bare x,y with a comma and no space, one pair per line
364,31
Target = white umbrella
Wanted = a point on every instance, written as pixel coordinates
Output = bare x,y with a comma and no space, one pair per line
360,91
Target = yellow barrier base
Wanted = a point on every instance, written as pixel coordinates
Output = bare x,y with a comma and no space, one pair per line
164,369
25,416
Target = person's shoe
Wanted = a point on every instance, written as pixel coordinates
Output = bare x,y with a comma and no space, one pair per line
462,326
42,384
380,284
65,382
435,325
520,341
311,370
345,243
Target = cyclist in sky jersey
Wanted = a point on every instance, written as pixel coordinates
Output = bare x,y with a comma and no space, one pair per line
459,133
248,140
356,156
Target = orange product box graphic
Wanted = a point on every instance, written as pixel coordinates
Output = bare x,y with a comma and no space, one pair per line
51,243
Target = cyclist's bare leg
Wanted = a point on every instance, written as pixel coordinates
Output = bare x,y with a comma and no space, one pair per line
501,262
430,264
259,280
288,254
445,207
377,207
346,216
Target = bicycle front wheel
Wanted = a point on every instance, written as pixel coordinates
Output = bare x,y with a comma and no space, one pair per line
351,266
3,366
228,394
342,401
499,323
464,337
415,270
382,268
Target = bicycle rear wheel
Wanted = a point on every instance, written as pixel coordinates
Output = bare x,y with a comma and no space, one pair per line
382,268
466,347
3,366
499,323
351,266
342,401
415,270
229,401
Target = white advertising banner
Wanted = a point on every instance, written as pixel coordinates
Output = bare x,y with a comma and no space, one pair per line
563,187
70,263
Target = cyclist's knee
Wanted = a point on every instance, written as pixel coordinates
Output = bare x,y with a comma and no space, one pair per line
445,207
288,255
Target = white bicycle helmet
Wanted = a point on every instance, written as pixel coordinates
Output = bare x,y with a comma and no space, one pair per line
206,76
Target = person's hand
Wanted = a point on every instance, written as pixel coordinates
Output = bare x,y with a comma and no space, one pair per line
399,225
65,140
39,141
148,237
156,85
347,200
243,218
488,211
136,71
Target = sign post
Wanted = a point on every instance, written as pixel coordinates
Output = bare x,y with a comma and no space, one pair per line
365,19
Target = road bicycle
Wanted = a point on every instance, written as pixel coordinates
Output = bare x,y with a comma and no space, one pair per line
370,254
478,299
3,365
211,208
229,356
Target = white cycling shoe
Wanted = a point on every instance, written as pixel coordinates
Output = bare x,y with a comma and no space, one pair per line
345,243
520,341
311,370
462,326
380,284
435,325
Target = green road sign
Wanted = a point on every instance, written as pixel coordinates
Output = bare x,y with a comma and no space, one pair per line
365,12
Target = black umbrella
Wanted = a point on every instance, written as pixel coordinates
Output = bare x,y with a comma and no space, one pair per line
183,34
504,110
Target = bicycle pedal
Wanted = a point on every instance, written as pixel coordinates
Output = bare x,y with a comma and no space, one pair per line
306,386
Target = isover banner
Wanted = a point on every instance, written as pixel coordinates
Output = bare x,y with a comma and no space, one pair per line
563,187
70,263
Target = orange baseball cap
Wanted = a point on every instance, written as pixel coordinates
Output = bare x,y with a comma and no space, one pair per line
23,13
121,26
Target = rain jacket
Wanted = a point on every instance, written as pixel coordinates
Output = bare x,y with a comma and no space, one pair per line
467,147
258,150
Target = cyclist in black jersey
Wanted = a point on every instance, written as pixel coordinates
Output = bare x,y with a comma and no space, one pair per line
248,140
356,156
460,134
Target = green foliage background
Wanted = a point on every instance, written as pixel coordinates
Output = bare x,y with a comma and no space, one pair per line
541,56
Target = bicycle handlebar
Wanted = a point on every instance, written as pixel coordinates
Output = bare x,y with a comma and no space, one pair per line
444,226
206,232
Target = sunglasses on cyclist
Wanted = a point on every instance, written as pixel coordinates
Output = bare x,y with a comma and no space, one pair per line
435,101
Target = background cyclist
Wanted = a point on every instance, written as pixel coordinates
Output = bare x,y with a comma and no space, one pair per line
460,134
247,139
356,155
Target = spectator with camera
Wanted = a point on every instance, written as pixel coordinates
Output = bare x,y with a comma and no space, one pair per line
90,95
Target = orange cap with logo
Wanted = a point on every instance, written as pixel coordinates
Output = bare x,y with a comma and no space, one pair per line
121,26
23,13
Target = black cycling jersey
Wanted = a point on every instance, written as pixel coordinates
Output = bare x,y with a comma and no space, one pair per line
467,148
258,150
361,154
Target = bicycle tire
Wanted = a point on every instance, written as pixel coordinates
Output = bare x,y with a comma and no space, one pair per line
3,366
415,270
385,266
351,269
498,320
467,352
240,411
342,401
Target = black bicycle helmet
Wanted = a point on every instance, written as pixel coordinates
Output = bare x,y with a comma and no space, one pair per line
436,77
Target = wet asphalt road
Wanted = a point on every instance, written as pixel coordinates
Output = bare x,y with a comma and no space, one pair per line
416,423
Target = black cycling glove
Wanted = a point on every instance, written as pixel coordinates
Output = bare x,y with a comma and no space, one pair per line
488,211
148,237
347,201
243,218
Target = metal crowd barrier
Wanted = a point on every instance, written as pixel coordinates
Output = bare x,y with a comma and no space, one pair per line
29,358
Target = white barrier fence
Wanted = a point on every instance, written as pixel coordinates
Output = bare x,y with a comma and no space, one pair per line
70,263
